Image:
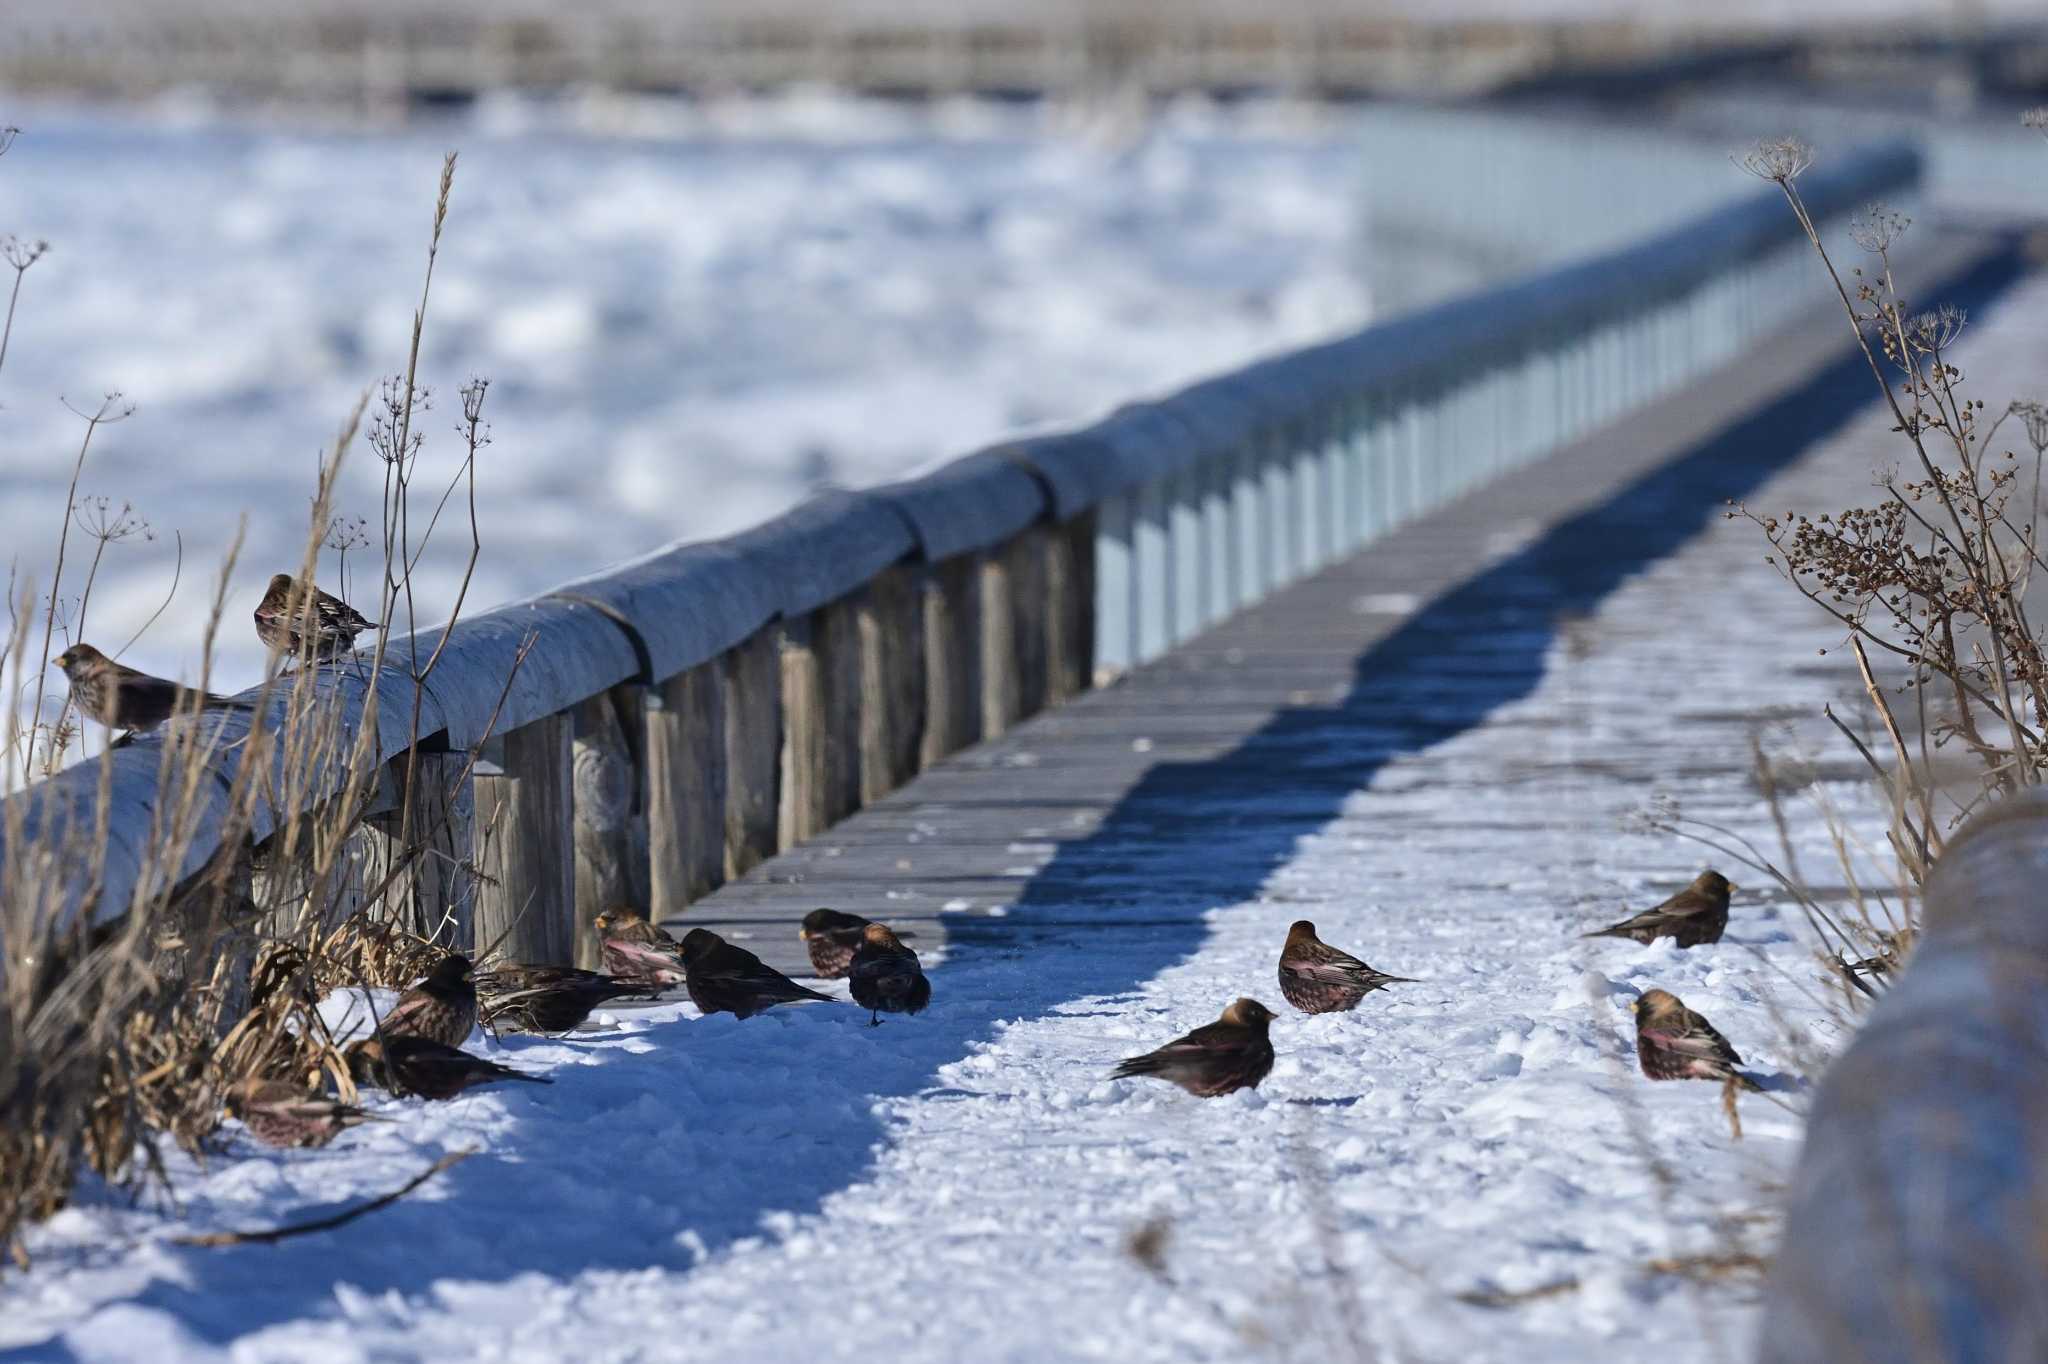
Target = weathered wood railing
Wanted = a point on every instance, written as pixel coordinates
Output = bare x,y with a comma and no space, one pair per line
1915,1229
677,719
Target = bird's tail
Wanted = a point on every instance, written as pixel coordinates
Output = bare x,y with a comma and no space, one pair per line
1747,1081
1147,1064
507,1073
216,702
1611,931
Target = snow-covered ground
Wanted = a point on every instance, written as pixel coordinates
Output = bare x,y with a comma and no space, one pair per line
963,1185
691,313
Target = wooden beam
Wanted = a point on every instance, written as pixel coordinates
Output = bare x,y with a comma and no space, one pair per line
525,819
687,798
750,677
605,795
1013,631
1070,608
820,720
892,682
433,893
952,656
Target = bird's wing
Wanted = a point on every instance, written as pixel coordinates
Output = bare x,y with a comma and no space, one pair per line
1684,905
1695,1041
1338,968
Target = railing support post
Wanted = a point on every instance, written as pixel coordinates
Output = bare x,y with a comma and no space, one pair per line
951,594
750,678
686,789
610,844
820,721
892,682
433,892
525,813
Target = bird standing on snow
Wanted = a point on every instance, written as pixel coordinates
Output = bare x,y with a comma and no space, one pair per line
286,621
637,950
722,978
1674,1043
885,976
278,1113
416,1065
832,939
122,698
1316,978
1230,1054
441,1008
548,999
1695,915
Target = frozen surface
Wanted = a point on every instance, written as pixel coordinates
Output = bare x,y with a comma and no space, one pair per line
691,314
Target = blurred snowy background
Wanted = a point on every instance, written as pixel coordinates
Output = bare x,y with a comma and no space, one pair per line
691,312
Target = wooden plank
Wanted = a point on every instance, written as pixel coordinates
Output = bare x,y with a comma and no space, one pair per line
605,789
525,820
687,797
750,679
433,892
892,682
952,656
1014,631
820,720
1070,608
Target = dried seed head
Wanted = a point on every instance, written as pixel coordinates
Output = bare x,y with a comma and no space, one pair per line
1780,160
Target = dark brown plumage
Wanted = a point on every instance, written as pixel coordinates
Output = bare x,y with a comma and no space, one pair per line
1316,978
1695,915
885,976
832,939
417,1066
1230,1054
1674,1043
637,950
279,1113
549,999
727,979
441,1008
121,698
285,621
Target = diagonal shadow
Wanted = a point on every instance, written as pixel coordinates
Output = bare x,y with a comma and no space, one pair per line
679,1147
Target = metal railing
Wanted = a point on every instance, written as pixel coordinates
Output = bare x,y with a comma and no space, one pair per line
672,721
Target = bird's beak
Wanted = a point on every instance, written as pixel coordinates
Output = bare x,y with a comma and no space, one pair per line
1635,1006
804,933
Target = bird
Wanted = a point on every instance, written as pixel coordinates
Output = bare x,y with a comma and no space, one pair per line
420,1066
1674,1043
1230,1054
722,978
637,950
279,1113
120,697
1695,915
1316,978
832,939
441,1008
885,976
284,615
550,999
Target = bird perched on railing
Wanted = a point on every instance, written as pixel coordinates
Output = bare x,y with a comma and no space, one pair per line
122,698
1230,1054
549,999
1695,915
832,939
286,621
278,1113
637,950
441,1008
423,1067
1674,1043
1317,978
722,978
885,976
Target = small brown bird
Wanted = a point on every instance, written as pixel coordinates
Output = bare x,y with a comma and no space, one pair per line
1316,978
727,979
1695,915
415,1065
637,950
549,999
121,698
441,1008
285,621
1230,1054
1674,1043
279,1113
832,939
885,976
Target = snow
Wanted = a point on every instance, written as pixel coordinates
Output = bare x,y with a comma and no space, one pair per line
692,313
962,1185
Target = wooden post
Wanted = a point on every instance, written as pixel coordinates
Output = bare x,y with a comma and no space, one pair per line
525,820
604,785
1070,608
892,682
433,892
820,720
952,656
1013,631
750,678
686,788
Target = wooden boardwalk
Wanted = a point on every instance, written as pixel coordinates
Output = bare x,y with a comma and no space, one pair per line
1116,811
